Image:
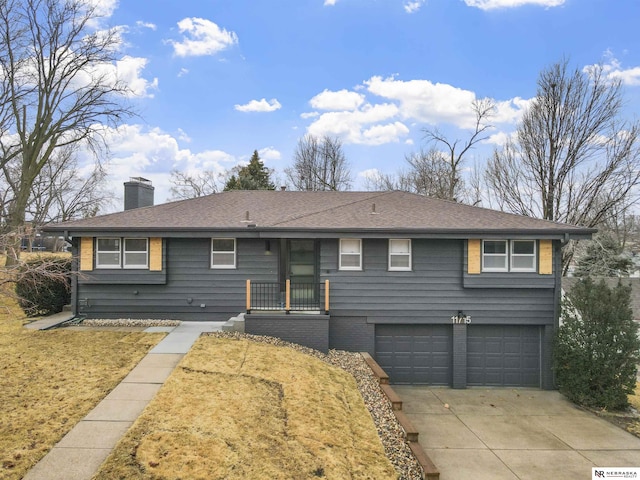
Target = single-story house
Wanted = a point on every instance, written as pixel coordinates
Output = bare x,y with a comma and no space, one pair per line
438,292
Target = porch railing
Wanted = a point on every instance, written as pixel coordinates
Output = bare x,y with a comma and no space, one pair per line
288,296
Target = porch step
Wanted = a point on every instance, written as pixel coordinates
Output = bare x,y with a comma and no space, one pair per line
234,324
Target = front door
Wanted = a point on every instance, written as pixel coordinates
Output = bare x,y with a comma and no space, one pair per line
300,268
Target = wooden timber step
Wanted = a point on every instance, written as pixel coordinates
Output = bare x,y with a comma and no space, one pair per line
396,401
380,374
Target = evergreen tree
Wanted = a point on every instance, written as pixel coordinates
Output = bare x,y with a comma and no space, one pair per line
603,258
597,348
254,176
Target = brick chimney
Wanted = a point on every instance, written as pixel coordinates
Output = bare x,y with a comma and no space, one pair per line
138,192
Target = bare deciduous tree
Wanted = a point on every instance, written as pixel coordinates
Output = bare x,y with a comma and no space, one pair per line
186,185
57,88
319,164
454,151
572,159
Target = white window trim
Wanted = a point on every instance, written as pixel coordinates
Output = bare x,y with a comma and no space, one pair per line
400,269
522,255
97,254
124,251
340,254
505,255
235,250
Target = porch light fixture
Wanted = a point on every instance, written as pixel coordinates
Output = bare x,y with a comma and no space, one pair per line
267,247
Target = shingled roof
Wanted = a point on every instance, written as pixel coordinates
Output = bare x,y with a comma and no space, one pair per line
320,211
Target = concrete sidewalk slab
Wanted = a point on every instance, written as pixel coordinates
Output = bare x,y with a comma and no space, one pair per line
512,432
472,464
134,391
161,360
68,464
148,375
545,464
589,433
181,339
50,321
117,410
94,434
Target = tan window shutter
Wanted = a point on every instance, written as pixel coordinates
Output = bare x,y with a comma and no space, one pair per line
474,260
155,254
546,258
86,254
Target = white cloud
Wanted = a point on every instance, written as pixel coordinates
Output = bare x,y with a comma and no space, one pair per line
340,100
381,134
269,153
355,118
202,37
183,72
151,26
182,135
329,2
425,101
496,4
413,6
136,150
259,106
361,126
129,70
500,138
103,8
613,69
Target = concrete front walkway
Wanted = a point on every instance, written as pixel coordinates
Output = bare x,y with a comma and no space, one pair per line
513,434
81,452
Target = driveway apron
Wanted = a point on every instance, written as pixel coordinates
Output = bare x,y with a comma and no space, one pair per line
513,434
81,451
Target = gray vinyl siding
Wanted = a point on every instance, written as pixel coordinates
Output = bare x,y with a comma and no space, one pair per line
431,293
190,284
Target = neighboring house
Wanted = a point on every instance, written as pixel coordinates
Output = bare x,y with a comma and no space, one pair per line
438,292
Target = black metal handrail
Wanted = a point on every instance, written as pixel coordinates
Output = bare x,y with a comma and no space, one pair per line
287,296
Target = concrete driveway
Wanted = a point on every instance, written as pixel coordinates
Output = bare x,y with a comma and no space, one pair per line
513,434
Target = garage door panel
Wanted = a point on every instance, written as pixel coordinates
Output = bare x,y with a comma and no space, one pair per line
503,355
419,354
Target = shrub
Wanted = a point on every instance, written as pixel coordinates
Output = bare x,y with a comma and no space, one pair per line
43,285
597,347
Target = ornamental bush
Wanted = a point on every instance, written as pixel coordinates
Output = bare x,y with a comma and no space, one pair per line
597,349
43,286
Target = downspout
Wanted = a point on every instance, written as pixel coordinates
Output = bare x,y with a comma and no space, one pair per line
74,272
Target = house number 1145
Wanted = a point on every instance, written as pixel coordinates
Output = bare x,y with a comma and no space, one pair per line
461,319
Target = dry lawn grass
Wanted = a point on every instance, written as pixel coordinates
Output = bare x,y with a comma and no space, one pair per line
51,380
236,409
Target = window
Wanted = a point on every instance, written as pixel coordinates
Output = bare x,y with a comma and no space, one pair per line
108,253
523,256
494,256
400,254
350,254
136,253
509,255
223,253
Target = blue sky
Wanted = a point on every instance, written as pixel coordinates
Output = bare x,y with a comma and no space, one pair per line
218,79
